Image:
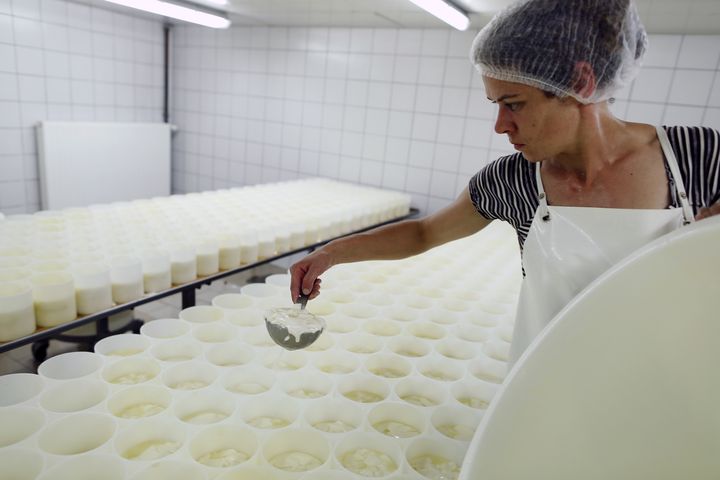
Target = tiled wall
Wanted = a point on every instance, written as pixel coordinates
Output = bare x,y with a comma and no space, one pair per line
63,60
401,109
397,108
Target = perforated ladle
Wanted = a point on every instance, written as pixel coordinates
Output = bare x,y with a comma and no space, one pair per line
294,328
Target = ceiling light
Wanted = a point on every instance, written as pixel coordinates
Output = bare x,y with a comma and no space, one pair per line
445,12
178,12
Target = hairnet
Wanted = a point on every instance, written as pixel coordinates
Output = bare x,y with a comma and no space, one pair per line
541,42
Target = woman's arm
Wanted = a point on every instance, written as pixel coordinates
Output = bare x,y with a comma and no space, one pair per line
398,240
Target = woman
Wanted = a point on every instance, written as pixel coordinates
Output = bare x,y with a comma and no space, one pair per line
585,188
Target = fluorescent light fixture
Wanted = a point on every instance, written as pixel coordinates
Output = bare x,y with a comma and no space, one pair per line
167,9
445,12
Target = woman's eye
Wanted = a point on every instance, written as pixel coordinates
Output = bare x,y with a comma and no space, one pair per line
513,107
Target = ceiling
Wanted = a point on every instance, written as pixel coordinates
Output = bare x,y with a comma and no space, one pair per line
659,16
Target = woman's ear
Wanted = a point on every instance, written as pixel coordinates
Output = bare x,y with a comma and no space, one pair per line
583,80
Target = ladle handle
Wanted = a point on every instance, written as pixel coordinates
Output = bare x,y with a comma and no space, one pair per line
302,300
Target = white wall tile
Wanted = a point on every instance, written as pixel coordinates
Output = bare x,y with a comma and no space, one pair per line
376,121
471,160
691,87
397,150
418,180
384,39
334,91
57,64
329,165
359,65
645,112
699,51
26,8
432,70
311,138
712,118
349,170
6,29
427,99
309,162
373,147
652,85
442,185
408,41
32,89
356,93
454,101
53,11
403,97
400,124
81,67
351,144
421,154
477,133
662,51
11,168
354,119
7,58
394,176
9,114
12,194
406,69
450,130
435,42
30,61
28,33
8,86
382,67
446,158
424,127
11,141
379,95
80,42
339,40
371,173
459,43
458,72
683,115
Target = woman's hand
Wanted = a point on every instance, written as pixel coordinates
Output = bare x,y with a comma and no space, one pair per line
304,274
706,212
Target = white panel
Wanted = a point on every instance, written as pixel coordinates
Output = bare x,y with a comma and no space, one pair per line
85,163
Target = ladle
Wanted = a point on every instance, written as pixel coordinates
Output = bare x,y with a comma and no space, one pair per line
293,328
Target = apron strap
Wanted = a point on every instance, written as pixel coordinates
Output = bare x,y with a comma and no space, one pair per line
542,198
688,216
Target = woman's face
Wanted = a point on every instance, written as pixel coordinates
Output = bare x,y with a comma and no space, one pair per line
539,126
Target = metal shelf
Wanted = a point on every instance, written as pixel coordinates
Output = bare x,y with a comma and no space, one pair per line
187,291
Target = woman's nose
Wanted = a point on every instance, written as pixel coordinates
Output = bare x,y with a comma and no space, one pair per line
503,123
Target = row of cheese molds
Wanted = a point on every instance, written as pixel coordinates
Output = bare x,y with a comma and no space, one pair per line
394,388
56,265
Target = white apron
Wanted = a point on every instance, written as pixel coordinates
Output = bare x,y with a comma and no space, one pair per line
568,247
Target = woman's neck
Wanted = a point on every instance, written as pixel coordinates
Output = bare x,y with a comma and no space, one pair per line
601,141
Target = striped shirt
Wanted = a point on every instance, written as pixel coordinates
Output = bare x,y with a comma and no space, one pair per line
506,189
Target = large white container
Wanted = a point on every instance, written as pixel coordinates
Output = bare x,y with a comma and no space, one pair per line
126,278
93,291
623,382
54,298
156,271
17,316
183,265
